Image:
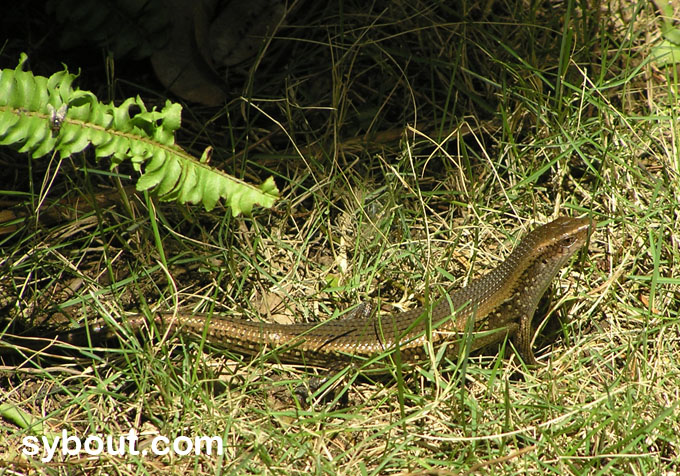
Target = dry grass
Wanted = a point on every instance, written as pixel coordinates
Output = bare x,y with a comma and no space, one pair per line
420,143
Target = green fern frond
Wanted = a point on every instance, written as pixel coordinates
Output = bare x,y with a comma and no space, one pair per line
41,115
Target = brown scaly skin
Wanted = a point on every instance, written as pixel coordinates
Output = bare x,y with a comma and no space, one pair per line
498,304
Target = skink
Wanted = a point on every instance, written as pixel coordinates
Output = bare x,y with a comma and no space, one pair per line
498,304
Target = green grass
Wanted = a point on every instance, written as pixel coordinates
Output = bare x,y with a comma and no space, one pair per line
420,144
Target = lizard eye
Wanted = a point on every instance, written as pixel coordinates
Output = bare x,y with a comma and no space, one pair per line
567,242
